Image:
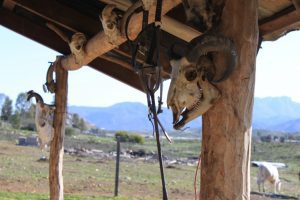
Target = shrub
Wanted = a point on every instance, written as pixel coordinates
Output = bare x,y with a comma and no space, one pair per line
136,138
70,131
126,137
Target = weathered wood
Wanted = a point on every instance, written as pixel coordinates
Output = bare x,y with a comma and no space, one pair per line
57,144
93,49
8,4
169,25
226,137
279,20
67,17
117,168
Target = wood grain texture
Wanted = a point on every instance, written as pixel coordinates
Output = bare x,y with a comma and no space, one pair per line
99,44
57,144
226,137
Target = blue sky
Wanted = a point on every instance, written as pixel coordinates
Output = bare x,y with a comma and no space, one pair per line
24,64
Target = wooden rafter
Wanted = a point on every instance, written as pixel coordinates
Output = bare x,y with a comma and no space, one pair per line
64,16
48,38
279,20
74,25
93,49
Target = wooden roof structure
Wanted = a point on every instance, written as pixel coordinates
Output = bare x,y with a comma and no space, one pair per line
226,131
29,18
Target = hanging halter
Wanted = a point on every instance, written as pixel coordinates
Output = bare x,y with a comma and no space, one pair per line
149,72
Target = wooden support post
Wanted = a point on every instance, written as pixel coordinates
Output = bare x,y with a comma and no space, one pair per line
226,138
57,148
117,167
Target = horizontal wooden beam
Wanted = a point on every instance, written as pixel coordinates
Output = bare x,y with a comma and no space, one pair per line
93,49
64,16
8,4
49,39
169,25
37,8
279,20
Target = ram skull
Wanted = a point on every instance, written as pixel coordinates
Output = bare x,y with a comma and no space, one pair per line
191,92
43,119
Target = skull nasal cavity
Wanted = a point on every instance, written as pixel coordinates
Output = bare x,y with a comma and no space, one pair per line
191,75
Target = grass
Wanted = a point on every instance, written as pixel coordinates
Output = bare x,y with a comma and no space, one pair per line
21,176
288,153
31,196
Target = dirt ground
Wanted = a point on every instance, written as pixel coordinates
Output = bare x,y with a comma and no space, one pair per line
11,180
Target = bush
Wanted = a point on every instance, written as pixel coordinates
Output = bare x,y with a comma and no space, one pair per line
126,137
70,131
29,127
136,138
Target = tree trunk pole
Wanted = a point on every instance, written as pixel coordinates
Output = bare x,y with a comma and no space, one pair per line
57,148
226,138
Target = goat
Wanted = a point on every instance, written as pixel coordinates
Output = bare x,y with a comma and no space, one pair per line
267,171
43,119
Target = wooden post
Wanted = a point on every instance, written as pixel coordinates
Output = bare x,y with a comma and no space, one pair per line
57,148
117,167
226,138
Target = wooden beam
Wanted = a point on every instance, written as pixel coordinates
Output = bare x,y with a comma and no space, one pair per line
64,16
169,25
8,4
227,126
93,49
57,144
280,20
48,38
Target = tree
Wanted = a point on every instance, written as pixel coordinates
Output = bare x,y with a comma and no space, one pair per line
6,111
22,105
75,120
82,125
15,120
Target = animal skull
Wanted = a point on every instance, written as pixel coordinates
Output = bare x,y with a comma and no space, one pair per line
43,119
196,11
191,94
77,45
110,20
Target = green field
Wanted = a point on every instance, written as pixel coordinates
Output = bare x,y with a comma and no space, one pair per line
23,177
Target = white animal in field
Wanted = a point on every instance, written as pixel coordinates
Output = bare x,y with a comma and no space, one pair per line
268,172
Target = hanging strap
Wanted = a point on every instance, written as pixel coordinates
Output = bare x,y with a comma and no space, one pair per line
150,74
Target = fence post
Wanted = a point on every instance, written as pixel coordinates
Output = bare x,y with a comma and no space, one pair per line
117,167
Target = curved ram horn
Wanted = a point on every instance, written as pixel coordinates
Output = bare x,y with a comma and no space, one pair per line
38,97
129,12
211,43
50,83
177,50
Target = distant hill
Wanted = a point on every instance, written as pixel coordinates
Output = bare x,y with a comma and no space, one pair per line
289,126
125,116
270,113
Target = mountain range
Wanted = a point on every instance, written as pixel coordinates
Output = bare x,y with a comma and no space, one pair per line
270,113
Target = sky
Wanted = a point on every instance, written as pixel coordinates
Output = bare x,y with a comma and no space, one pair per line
24,64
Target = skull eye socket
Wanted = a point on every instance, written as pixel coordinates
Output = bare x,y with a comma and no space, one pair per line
190,75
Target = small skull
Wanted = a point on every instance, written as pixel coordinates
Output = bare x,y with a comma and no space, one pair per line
110,20
190,93
77,44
